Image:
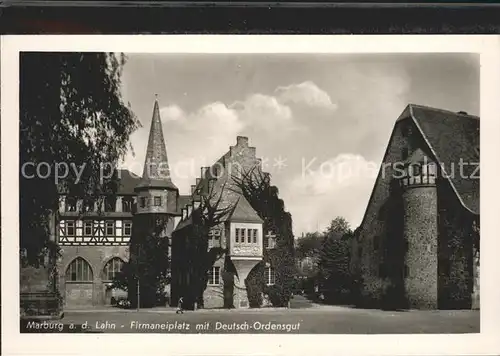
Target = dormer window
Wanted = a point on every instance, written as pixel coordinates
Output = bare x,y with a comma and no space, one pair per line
157,201
70,204
127,204
110,204
88,205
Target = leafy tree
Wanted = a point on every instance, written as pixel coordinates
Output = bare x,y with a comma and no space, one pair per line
71,116
309,245
339,228
334,259
149,263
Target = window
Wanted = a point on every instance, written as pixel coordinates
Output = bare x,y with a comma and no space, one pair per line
143,202
110,228
237,235
214,235
375,243
79,271
254,231
406,271
127,228
127,205
214,276
70,228
87,228
157,201
88,205
112,268
269,276
70,204
269,240
242,235
110,204
415,170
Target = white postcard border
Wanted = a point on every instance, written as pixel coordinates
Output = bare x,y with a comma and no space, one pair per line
14,343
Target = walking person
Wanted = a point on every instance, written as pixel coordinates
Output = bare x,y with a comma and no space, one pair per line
179,306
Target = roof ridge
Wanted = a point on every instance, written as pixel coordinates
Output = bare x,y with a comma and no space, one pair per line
463,114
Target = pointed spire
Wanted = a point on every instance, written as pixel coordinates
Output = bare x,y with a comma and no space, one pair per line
156,172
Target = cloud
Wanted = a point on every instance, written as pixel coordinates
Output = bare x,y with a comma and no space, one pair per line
172,113
305,94
265,113
327,189
202,136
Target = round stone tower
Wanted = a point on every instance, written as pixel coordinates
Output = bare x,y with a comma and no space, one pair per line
420,231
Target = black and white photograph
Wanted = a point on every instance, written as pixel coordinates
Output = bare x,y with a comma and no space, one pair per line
246,192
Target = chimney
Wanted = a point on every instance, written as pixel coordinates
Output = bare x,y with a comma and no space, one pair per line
193,187
203,171
241,141
198,180
463,113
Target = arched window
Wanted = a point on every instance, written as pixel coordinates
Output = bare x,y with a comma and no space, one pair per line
79,270
112,268
270,276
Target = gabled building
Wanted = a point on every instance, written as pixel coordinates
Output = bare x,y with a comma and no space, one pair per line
240,232
95,236
418,243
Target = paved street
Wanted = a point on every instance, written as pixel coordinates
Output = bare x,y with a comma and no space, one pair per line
315,319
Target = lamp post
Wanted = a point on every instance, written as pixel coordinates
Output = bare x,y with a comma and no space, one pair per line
138,278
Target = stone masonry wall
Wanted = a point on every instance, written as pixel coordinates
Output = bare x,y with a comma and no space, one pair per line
456,281
364,259
97,256
420,232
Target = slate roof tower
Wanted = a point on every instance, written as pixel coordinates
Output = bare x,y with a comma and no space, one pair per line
156,191
157,200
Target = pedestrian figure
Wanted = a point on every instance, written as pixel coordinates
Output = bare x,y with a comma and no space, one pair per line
179,306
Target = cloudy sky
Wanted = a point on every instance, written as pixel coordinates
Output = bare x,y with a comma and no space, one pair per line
320,122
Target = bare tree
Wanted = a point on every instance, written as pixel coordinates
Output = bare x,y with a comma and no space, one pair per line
211,213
